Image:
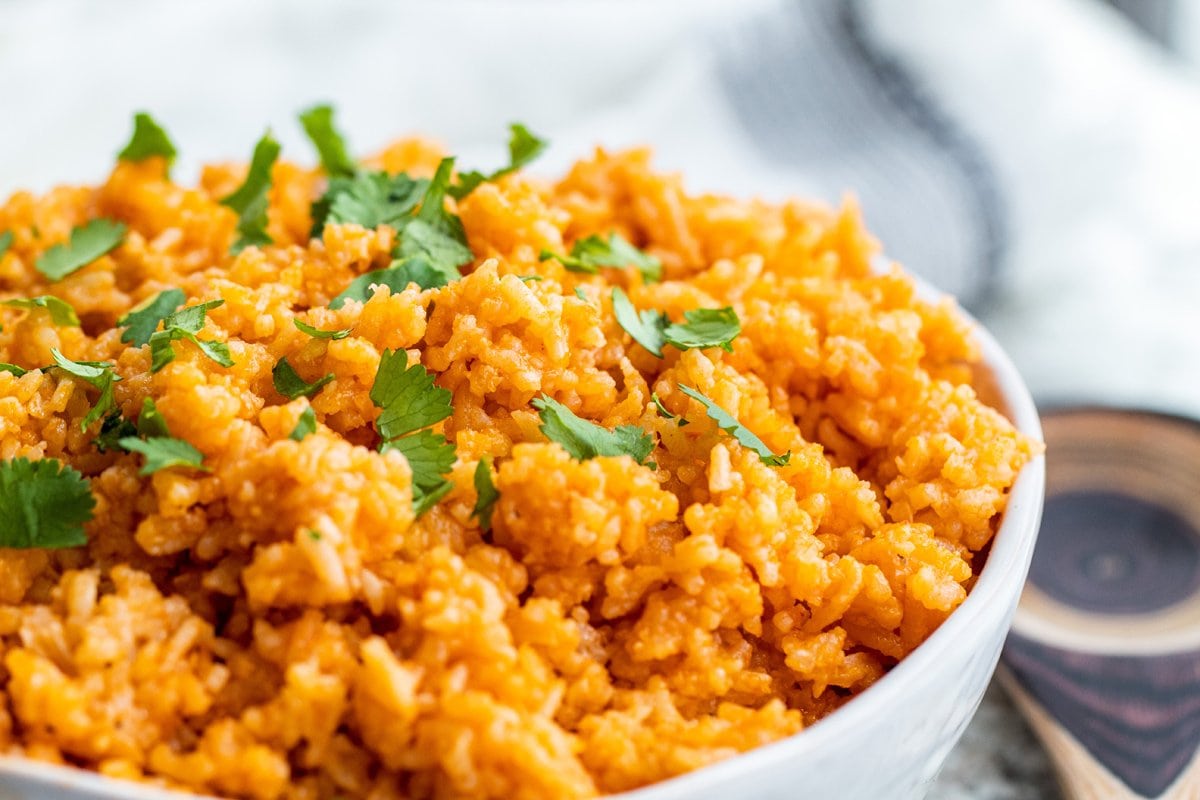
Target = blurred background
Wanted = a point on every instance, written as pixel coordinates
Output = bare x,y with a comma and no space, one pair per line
1038,158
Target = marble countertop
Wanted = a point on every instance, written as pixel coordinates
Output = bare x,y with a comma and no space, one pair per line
998,758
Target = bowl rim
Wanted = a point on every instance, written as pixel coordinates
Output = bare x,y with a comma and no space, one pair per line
1011,552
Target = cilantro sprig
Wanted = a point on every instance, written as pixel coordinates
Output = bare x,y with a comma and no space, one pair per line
186,323
43,503
6,240
703,327
148,140
250,200
289,383
317,333
523,147
330,144
728,423
163,452
486,494
87,243
61,312
591,253
305,424
12,369
99,374
141,322
410,403
584,439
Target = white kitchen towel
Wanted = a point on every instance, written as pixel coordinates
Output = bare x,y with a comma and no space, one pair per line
1035,157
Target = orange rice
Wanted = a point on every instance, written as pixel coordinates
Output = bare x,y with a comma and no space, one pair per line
619,625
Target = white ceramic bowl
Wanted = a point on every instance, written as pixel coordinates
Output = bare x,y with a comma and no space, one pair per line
886,744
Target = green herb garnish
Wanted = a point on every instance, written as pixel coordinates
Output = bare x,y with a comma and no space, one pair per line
306,424
330,144
185,324
88,242
523,147
250,200
43,503
728,423
12,368
61,312
6,240
112,430
99,374
163,452
583,439
704,327
664,413
317,333
486,494
141,322
150,421
148,140
369,199
411,402
289,384
588,255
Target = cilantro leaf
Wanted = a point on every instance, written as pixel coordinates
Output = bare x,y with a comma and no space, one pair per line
141,322
148,140
664,413
88,242
407,395
43,503
6,240
317,333
330,144
591,253
424,240
486,494
584,439
646,327
433,209
306,424
13,368
250,200
96,373
163,452
150,421
61,312
728,423
705,327
397,277
112,429
369,199
289,384
430,457
185,324
523,147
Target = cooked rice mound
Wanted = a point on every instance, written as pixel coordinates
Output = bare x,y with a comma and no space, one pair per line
618,625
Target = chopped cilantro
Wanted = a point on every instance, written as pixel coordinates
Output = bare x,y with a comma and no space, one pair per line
330,144
185,324
664,413
88,242
141,322
148,140
704,327
99,374
13,368
369,199
150,421
396,277
410,402
523,147
317,333
432,243
590,254
289,384
728,423
61,312
407,395
531,278
306,424
250,200
430,457
43,503
582,295
314,534
6,240
163,452
486,494
112,430
584,439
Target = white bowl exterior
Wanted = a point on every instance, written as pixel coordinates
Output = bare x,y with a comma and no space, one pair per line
889,742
